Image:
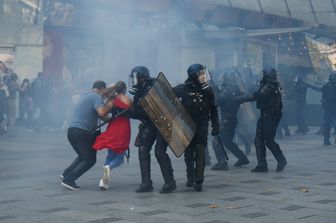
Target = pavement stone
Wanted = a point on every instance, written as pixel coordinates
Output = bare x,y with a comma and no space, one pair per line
31,191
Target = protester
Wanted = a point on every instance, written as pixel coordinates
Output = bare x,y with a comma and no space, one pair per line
3,97
25,104
117,136
81,136
11,106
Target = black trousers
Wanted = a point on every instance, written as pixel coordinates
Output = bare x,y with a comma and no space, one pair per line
227,134
266,129
299,116
148,133
194,156
329,117
81,141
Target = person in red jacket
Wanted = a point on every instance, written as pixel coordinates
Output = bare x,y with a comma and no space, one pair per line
117,136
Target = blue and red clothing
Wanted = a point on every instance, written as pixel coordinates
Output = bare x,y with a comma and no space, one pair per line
118,132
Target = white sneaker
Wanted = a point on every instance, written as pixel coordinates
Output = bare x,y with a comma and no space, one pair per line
106,177
102,185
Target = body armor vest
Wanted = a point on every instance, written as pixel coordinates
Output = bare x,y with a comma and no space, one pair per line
227,102
198,102
269,98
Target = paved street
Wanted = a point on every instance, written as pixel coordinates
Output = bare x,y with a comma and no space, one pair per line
30,190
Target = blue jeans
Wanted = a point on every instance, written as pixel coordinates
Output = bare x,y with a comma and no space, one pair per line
114,159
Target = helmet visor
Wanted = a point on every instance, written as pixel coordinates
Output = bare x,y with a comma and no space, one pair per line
132,80
203,76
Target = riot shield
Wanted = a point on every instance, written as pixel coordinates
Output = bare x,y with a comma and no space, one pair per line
168,115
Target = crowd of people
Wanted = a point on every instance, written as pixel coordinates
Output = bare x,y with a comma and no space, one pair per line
217,102
223,100
33,104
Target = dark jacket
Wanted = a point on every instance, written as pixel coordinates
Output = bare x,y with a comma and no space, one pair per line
268,98
139,91
199,102
229,98
329,95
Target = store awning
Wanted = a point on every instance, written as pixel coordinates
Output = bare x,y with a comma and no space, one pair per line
315,11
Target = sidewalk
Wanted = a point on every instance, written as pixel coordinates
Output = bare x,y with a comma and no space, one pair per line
30,190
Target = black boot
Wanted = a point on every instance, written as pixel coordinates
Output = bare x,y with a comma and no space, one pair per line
198,187
166,169
220,166
281,165
241,162
143,188
144,160
167,188
260,169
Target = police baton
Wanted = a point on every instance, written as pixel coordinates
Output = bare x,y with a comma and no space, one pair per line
110,119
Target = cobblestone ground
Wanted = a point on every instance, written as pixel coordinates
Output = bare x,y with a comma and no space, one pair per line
30,190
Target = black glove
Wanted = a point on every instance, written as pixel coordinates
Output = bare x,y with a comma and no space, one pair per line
214,131
134,91
254,96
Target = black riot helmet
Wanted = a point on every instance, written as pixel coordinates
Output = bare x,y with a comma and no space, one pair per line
231,77
138,75
194,70
332,77
269,74
199,73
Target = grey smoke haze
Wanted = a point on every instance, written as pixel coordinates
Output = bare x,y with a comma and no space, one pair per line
125,39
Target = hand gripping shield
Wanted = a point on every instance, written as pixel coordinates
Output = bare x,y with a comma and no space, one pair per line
169,116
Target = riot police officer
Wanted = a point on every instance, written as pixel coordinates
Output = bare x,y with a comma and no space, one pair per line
229,98
298,95
329,106
141,82
269,102
198,99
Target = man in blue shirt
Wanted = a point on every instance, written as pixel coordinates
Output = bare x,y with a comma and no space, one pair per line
81,135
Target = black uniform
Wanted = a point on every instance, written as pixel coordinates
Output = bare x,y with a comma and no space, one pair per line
299,93
269,102
229,98
329,106
283,124
2,109
146,137
201,106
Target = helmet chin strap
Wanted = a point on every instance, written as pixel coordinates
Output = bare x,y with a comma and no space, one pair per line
205,86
